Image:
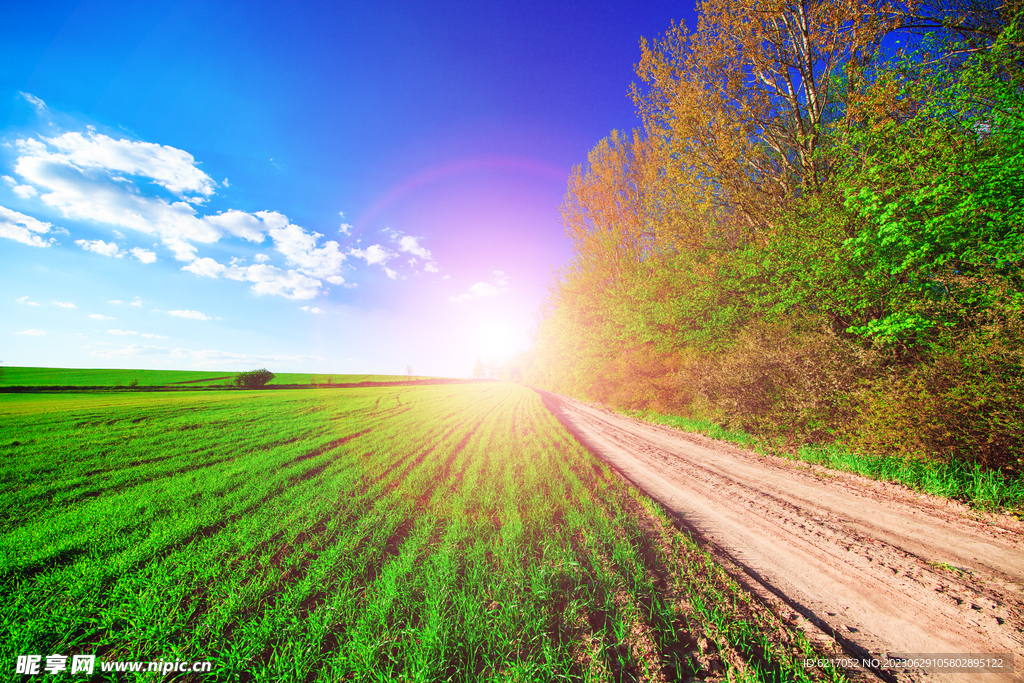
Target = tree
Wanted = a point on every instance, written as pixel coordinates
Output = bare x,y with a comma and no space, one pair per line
742,103
253,379
408,371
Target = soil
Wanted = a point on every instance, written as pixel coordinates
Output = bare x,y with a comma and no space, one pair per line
865,568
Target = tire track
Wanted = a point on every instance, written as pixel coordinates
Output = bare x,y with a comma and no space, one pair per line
862,563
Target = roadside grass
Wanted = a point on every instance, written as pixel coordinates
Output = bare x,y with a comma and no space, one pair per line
74,377
451,532
986,489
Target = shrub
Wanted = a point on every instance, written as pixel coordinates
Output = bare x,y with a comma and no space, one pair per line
253,379
780,380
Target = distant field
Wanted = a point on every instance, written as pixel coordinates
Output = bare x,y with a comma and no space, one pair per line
452,532
50,377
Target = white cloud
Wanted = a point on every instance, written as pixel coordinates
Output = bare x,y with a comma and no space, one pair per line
137,302
390,273
64,304
313,309
24,300
21,228
270,280
431,268
266,279
206,267
25,191
33,100
100,316
152,336
132,350
172,168
93,177
483,290
79,176
115,301
8,179
121,333
260,258
240,224
34,333
300,250
194,315
99,247
144,255
202,358
410,244
373,255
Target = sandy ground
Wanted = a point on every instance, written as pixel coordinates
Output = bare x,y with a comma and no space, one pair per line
864,567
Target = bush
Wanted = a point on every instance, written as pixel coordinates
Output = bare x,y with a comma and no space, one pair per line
253,379
780,380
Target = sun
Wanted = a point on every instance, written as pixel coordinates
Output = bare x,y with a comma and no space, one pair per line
498,338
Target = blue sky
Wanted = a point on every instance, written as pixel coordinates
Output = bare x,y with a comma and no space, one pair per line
310,188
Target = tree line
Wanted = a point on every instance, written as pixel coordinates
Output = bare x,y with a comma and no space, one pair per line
816,235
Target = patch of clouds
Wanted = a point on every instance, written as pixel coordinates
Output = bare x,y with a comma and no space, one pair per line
483,290
25,300
147,335
169,167
25,191
193,315
313,309
144,255
373,255
121,333
33,333
390,273
411,245
25,229
265,279
345,228
137,302
240,224
115,301
100,247
300,250
132,350
202,358
64,304
431,268
100,316
119,182
33,100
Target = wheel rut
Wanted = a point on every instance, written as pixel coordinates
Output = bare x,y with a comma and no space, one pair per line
864,567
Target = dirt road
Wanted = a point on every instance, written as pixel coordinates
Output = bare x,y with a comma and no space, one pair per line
866,568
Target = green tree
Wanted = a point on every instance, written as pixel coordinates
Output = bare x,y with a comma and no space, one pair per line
253,379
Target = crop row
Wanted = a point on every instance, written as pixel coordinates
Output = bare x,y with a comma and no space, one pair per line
417,533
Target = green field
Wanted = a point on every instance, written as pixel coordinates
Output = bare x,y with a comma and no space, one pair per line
72,377
416,533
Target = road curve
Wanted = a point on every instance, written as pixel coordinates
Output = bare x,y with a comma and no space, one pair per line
870,566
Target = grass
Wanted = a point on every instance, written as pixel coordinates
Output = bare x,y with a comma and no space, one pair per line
72,377
986,489
422,533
